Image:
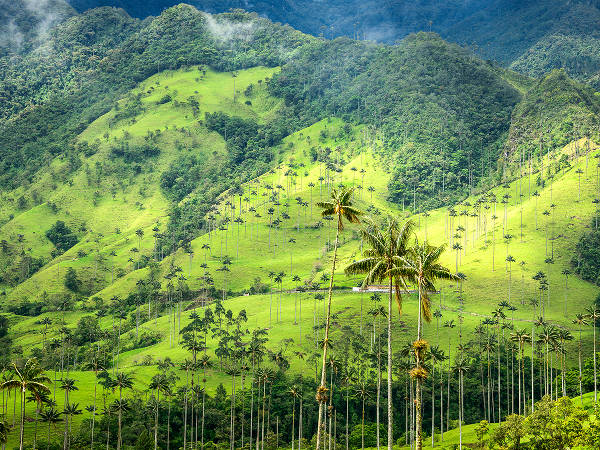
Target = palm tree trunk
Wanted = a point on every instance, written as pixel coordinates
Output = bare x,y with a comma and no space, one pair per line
94,410
390,411
293,421
418,354
322,389
433,404
120,414
580,377
595,379
22,418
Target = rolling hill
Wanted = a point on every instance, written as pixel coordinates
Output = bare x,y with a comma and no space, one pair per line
159,207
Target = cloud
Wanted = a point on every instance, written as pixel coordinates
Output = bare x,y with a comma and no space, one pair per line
227,31
43,14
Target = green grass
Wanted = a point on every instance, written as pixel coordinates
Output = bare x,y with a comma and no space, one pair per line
256,249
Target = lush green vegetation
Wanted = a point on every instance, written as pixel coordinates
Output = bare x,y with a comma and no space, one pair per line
554,112
442,116
175,252
531,37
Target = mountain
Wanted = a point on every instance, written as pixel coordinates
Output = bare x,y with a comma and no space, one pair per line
161,189
532,37
551,114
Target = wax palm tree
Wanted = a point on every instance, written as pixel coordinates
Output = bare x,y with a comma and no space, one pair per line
461,366
521,337
566,273
509,259
294,393
422,265
384,261
67,385
437,355
341,207
159,383
122,381
580,320
593,314
27,378
51,416
362,392
205,363
97,367
71,410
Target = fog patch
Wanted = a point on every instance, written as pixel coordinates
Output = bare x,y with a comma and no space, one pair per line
42,14
226,31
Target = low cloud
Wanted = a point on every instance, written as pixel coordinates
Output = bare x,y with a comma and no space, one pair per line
226,31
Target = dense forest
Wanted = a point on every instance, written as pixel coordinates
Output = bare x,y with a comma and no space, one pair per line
531,37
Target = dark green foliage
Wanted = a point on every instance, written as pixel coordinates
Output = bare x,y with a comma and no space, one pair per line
131,153
443,114
61,236
119,52
535,37
586,261
370,431
88,330
71,280
245,138
554,112
26,308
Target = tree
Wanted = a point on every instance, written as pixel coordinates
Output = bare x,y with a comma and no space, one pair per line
294,393
71,280
521,338
341,207
97,367
384,261
593,314
423,267
580,320
27,378
51,416
509,260
566,273
122,381
159,383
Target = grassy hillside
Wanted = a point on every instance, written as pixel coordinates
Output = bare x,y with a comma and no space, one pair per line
195,191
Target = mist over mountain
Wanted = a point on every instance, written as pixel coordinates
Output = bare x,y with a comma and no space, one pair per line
533,37
24,21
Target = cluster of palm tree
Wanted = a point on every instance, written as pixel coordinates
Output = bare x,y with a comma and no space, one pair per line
391,258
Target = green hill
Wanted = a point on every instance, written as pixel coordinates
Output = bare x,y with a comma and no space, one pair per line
159,203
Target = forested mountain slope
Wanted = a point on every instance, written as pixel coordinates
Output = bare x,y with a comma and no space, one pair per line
160,182
533,37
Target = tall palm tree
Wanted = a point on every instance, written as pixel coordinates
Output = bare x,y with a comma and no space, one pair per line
521,338
437,355
593,314
422,265
27,378
294,393
362,392
122,381
97,367
67,385
580,320
159,383
461,365
341,207
205,363
52,417
384,261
